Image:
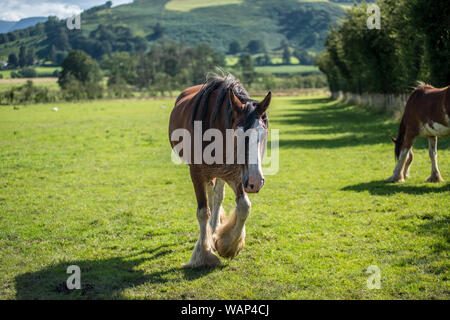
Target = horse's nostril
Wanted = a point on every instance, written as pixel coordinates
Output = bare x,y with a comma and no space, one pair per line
251,186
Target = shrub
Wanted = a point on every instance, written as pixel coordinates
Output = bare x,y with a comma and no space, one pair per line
80,77
28,93
24,73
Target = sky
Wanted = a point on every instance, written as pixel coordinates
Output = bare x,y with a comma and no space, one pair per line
14,10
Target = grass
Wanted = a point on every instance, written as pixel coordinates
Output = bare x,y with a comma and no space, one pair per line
50,83
348,4
288,69
231,60
93,185
188,5
41,72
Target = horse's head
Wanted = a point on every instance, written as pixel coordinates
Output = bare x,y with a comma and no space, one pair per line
398,143
251,118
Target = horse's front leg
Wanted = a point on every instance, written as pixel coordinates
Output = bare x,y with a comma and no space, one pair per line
406,149
230,236
409,160
202,256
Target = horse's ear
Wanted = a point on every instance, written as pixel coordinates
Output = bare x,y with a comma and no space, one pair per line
264,104
393,139
236,105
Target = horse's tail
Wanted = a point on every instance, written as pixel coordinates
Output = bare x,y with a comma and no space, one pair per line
400,138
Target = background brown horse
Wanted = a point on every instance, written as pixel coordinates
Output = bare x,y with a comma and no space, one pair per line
221,103
427,114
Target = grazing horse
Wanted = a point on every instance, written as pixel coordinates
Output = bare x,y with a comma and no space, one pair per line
427,114
221,104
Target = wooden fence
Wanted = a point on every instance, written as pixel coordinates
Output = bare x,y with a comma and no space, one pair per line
390,103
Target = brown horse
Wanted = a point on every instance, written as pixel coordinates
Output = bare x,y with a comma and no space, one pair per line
427,114
218,107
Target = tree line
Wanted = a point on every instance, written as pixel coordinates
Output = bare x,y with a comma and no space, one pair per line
59,41
165,68
412,44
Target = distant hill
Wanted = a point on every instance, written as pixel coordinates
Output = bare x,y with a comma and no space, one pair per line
302,24
7,26
218,22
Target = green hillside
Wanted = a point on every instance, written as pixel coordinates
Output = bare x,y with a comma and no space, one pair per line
217,23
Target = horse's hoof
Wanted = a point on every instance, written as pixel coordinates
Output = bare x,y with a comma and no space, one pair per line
227,248
395,179
435,178
204,260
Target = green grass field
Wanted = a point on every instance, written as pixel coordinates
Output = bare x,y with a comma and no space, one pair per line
276,59
288,69
41,72
93,185
188,5
50,83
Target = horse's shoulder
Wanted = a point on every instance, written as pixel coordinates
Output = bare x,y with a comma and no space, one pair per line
188,93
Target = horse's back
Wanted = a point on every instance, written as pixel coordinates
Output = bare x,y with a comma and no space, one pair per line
182,111
427,97
187,94
428,109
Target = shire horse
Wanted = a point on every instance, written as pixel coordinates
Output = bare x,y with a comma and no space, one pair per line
221,103
427,114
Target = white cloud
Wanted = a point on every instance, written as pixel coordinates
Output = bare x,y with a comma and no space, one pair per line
14,10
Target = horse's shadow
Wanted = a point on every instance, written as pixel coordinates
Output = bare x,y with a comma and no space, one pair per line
101,278
382,188
357,126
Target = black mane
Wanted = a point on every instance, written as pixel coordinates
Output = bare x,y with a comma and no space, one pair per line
220,84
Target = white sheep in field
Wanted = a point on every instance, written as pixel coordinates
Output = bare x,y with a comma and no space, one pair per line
55,109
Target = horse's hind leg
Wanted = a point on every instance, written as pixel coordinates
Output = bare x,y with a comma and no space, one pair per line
432,151
409,159
217,212
202,256
398,174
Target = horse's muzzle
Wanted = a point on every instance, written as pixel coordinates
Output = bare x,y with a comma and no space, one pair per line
253,186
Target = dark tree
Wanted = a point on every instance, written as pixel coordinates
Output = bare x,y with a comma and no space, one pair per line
263,60
256,46
304,57
22,56
3,38
13,61
158,32
234,47
286,55
52,54
432,18
61,40
30,57
247,69
81,67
